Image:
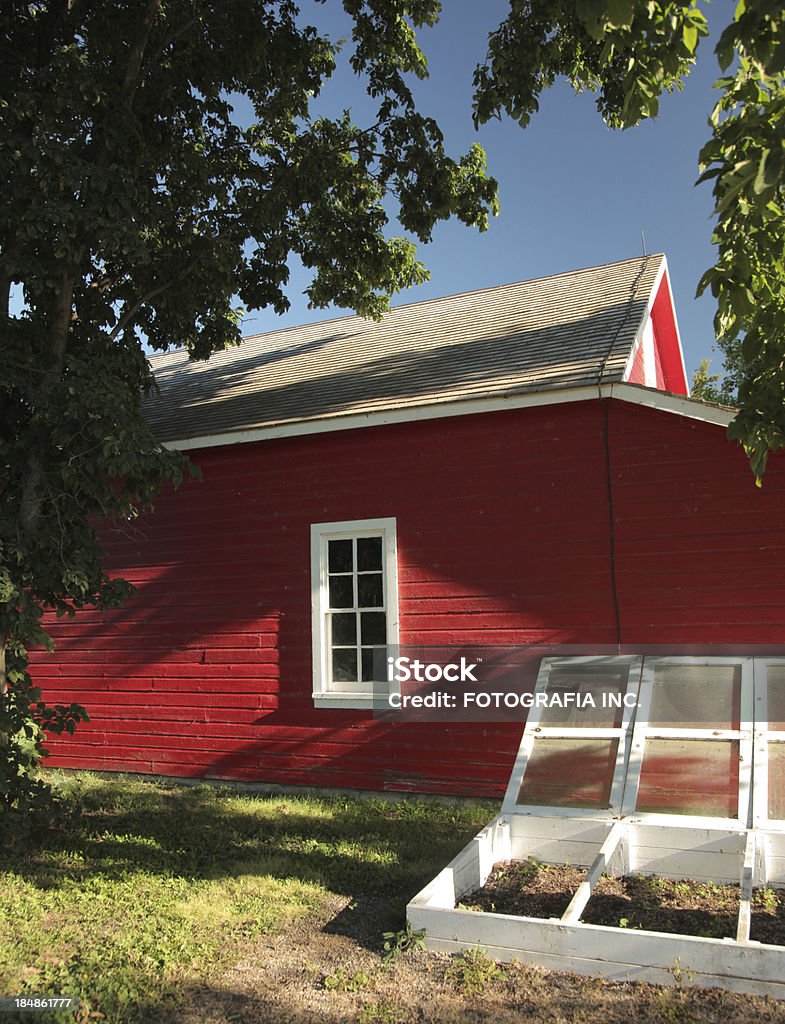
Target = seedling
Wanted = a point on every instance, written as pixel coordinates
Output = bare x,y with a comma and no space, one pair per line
472,971
402,941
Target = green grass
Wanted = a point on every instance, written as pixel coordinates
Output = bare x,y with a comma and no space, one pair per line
146,888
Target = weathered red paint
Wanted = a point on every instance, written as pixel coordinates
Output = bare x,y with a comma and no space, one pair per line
667,348
504,533
637,374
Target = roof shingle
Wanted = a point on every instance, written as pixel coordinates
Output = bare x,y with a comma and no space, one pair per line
567,330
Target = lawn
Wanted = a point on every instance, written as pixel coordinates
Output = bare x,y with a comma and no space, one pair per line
199,904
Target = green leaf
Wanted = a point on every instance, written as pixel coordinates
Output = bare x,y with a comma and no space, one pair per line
726,47
761,183
751,346
619,13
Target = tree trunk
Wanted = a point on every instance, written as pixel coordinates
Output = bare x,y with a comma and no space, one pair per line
3,684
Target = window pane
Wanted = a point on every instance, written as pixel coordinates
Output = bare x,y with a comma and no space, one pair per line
775,677
370,593
697,696
345,666
369,553
569,773
690,777
603,683
777,781
344,629
374,664
339,556
341,592
373,627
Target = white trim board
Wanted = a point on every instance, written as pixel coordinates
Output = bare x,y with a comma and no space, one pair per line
679,405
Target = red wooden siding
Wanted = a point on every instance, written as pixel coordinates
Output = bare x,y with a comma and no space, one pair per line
504,537
667,348
638,371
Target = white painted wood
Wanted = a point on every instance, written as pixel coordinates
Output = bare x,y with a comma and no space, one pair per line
649,364
771,859
600,866
438,894
705,854
745,895
686,836
719,957
554,840
618,971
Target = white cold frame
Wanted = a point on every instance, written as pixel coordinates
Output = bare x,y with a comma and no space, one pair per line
354,610
718,712
572,730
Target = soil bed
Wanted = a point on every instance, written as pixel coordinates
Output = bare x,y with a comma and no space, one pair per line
681,906
526,889
665,905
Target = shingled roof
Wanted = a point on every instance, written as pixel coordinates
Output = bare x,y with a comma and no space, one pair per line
567,330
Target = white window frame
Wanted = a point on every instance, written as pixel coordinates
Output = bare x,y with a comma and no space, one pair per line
533,731
643,731
764,737
353,695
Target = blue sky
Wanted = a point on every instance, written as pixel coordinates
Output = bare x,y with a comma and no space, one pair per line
573,193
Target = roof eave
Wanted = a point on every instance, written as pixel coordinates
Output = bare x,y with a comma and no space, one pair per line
634,393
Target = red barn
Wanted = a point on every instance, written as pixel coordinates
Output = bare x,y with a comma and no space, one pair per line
517,465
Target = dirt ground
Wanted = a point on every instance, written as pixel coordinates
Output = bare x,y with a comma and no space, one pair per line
329,970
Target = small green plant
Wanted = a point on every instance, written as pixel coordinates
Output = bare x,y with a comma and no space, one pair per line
342,981
765,900
680,974
383,1012
472,971
403,941
624,922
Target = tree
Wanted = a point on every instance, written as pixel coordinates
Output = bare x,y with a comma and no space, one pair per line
631,51
135,205
710,387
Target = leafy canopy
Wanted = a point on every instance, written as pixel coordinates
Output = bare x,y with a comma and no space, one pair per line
135,203
631,51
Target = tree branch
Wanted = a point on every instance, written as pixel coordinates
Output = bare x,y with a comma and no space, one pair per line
133,72
175,35
128,317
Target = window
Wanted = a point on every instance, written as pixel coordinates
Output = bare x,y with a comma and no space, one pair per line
354,587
